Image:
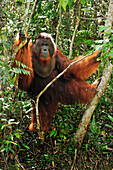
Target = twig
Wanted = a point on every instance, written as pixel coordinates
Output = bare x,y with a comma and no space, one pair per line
96,18
75,30
16,90
74,159
16,82
58,27
16,157
26,14
5,158
31,15
13,123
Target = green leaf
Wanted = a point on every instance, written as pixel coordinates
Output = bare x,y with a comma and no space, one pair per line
64,3
111,54
102,28
2,150
111,37
109,126
25,146
46,156
13,143
85,9
83,2
110,117
69,3
53,132
70,148
11,150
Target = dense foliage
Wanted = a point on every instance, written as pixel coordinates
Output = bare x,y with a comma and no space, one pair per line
22,149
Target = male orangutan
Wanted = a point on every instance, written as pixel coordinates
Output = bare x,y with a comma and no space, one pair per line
45,62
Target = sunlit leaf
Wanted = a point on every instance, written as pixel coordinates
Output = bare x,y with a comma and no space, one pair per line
110,117
102,28
83,2
25,146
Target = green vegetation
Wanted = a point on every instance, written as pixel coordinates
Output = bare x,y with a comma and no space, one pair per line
22,149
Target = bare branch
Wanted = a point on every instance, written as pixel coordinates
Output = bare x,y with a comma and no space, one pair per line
16,82
74,159
20,165
93,19
13,123
31,15
16,90
26,14
75,31
58,27
82,128
109,20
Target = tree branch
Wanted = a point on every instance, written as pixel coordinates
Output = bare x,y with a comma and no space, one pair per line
26,14
75,31
20,165
31,16
58,27
13,123
82,128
